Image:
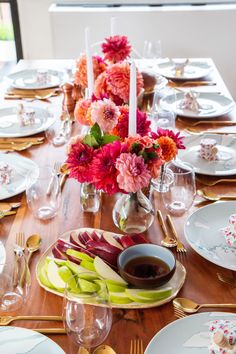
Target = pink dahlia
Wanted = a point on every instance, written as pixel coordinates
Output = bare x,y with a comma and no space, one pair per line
103,166
79,162
133,174
105,113
178,140
116,48
81,69
143,124
118,77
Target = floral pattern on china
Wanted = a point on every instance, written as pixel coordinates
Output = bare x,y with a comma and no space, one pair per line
230,231
5,173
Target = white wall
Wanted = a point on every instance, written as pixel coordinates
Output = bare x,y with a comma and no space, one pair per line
185,31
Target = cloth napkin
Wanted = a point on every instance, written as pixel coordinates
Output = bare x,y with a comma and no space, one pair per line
20,93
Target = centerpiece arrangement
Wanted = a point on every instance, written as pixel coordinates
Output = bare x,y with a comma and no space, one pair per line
119,154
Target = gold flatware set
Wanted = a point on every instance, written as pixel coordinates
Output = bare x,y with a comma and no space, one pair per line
190,83
183,306
168,240
19,144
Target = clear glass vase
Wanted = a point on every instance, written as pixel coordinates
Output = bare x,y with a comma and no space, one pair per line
133,213
90,198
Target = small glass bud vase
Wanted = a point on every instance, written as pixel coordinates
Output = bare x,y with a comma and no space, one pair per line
90,198
133,213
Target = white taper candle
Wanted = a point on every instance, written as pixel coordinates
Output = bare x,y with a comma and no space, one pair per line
132,100
89,62
113,26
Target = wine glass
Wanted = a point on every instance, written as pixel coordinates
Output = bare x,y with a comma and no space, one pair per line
60,131
180,195
152,50
87,315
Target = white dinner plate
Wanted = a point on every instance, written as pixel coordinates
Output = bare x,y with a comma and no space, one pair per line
21,167
11,128
188,335
15,340
192,71
213,105
203,231
27,79
225,165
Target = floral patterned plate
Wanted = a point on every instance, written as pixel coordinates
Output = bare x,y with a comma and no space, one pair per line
189,335
203,231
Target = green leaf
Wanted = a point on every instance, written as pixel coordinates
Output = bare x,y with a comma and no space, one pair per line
90,140
96,132
106,139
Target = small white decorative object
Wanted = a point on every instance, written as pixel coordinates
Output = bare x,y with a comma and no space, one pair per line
26,116
5,173
179,67
208,150
230,231
190,101
42,76
223,337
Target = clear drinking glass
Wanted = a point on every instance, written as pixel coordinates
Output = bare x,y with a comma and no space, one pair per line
43,192
14,282
87,316
60,131
180,195
90,198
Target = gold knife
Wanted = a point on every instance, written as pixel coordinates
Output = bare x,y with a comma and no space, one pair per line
49,330
22,140
3,214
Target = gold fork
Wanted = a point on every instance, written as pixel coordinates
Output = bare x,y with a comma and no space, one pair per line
179,313
16,146
6,213
6,320
136,346
226,279
20,240
180,247
167,241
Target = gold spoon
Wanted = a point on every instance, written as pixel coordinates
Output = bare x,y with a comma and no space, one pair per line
214,197
190,306
33,244
8,206
104,349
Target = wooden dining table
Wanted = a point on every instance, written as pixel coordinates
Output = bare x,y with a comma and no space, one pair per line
201,284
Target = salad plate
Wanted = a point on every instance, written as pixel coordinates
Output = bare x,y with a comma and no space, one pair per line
21,167
21,340
27,79
203,232
225,165
211,105
193,70
190,335
175,283
10,126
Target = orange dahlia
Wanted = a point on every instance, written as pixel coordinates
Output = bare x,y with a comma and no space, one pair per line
82,112
168,148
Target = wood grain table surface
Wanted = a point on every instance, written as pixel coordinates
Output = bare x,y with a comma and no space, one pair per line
201,282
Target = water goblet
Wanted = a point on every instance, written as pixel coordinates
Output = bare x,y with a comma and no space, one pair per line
87,316
14,281
43,192
180,195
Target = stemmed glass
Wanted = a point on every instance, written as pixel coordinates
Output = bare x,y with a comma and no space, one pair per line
152,50
87,315
180,195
